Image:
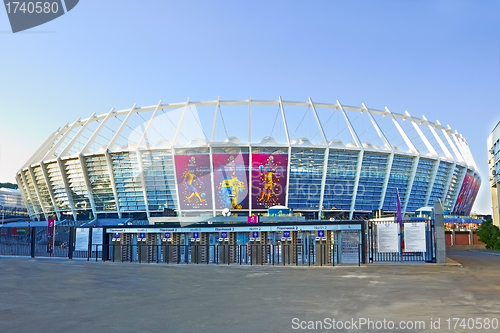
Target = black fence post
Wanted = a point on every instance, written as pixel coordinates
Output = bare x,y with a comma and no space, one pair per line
33,241
71,240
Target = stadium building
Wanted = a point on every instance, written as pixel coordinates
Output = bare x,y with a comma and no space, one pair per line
196,159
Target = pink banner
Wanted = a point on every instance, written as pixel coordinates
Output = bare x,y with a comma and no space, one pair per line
194,181
231,181
50,235
269,177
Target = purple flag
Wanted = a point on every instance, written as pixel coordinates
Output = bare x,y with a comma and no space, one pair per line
399,215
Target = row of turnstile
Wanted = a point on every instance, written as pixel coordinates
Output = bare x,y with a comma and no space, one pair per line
319,247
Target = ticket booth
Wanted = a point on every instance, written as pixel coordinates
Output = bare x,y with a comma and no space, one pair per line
323,247
257,248
115,252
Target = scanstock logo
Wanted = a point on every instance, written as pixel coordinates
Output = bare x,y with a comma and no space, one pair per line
28,14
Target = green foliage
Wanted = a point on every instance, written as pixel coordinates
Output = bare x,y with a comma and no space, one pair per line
8,185
489,234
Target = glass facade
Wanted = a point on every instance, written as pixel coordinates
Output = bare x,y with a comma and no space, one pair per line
76,183
43,190
58,188
371,181
440,182
160,179
398,181
128,182
100,183
420,184
458,175
306,173
340,177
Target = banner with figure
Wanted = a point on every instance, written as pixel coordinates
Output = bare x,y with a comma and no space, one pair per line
231,174
194,181
269,177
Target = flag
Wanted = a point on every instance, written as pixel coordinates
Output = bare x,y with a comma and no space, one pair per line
399,215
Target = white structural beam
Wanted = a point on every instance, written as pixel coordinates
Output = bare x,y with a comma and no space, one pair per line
28,191
458,157
439,141
179,127
76,137
349,125
109,163
41,152
390,157
143,180
50,189
64,177
360,160
403,134
144,135
415,160
448,182
409,187
289,150
121,128
325,159
94,135
51,153
37,191
88,186
427,144
215,121
432,181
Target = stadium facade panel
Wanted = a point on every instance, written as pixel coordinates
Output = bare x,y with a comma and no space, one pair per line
198,158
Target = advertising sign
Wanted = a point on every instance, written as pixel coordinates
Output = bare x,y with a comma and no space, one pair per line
231,174
467,195
269,178
194,181
414,236
387,237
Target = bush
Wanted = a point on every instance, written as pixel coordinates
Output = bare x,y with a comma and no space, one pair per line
489,234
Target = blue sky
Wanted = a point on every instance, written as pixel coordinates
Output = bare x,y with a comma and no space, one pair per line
440,59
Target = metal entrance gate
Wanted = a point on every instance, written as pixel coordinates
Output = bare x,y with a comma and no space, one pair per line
377,251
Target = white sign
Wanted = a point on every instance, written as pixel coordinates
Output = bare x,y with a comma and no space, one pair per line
96,239
82,239
387,237
414,235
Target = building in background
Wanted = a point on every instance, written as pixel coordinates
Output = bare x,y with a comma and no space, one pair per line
494,176
193,159
11,205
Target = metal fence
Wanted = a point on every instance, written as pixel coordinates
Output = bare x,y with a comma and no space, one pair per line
376,255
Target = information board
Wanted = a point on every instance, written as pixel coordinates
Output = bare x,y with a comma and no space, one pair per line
387,237
414,235
96,239
82,239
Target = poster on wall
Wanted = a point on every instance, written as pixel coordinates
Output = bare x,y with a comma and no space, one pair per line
82,239
387,237
467,195
231,174
414,235
194,181
269,177
97,239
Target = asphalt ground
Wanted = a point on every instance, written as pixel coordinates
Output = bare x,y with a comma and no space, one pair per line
61,295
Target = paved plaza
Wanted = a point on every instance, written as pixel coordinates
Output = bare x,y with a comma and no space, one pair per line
61,295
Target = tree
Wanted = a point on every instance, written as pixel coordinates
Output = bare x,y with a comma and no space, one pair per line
489,234
8,185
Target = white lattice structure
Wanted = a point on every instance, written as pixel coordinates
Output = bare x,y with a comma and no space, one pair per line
339,158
